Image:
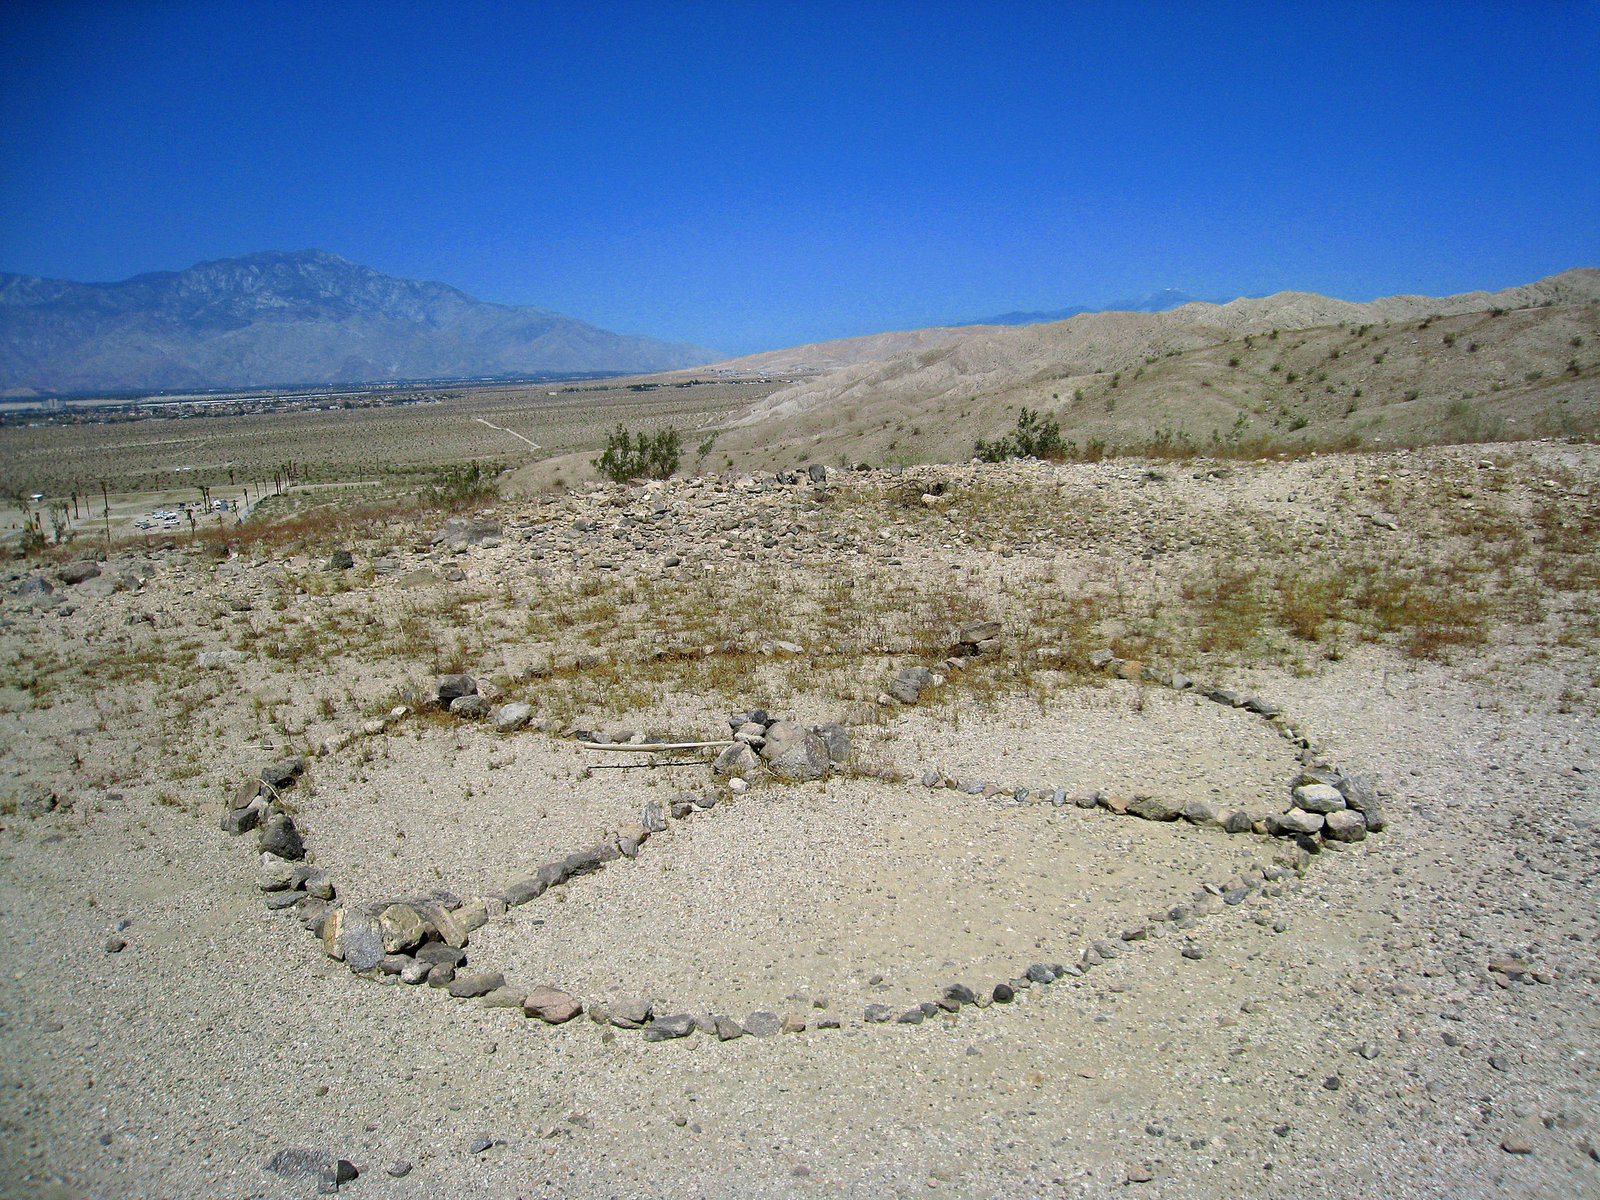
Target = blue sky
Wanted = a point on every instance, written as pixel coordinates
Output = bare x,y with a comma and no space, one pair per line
748,176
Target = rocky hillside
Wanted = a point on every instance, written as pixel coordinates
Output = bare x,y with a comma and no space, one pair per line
1294,368
289,318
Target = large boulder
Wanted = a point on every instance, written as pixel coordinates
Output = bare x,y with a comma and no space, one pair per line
836,738
1361,793
401,927
1344,826
1297,820
513,716
794,752
280,837
461,532
1318,798
907,686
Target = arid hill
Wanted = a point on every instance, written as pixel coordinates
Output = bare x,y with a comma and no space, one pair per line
1295,368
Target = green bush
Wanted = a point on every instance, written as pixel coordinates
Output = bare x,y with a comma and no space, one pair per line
1036,436
631,456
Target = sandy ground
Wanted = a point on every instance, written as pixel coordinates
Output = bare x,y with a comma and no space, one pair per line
1367,1047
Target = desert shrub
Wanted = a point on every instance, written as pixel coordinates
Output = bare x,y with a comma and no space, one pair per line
1036,436
1228,607
1306,602
462,486
630,456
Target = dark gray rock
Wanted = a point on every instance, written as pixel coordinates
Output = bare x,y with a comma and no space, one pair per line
961,994
908,684
524,890
912,1016
240,820
284,772
738,759
837,740
453,687
1361,793
1040,973
553,874
360,941
583,862
762,1024
340,560
1003,993
279,836
728,1029
876,1014
817,473
299,1163
437,953
441,975
461,532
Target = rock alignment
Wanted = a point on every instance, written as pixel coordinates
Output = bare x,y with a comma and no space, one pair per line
416,940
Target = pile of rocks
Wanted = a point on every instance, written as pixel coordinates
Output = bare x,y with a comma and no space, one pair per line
787,749
973,638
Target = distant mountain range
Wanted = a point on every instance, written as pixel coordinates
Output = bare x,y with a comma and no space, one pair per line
306,317
1156,302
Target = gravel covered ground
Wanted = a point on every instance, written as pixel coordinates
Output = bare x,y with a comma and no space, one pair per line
1375,1045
